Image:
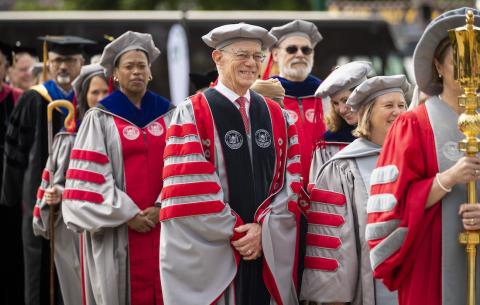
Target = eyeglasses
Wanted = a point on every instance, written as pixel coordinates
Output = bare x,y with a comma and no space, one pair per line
294,49
68,60
243,55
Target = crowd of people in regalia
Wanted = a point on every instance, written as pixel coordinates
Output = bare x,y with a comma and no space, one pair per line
268,186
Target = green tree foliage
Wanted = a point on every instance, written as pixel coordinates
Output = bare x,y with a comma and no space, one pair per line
187,4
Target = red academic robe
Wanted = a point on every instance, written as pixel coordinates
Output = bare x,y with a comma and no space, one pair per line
409,257
309,128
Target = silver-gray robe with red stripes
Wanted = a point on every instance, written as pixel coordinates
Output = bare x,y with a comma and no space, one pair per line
197,262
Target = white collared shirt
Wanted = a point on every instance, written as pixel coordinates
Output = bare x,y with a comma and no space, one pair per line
232,96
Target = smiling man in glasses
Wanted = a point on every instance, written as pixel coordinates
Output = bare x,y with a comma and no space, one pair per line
230,181
26,152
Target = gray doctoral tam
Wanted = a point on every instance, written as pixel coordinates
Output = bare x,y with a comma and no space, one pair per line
346,76
297,28
227,34
128,41
435,32
86,73
377,86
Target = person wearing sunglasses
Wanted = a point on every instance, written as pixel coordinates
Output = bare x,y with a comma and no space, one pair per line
230,186
293,54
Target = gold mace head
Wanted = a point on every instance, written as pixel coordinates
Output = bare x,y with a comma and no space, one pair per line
469,124
466,52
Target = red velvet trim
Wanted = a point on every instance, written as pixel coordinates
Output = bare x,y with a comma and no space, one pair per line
268,67
325,219
46,175
73,125
181,130
84,175
16,93
110,84
83,196
321,263
295,168
270,283
342,146
204,122
88,155
323,241
36,211
190,189
189,148
293,151
191,209
327,197
293,206
292,131
236,236
40,193
190,168
296,187
82,270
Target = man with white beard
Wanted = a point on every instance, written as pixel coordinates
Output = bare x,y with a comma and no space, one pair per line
293,53
26,152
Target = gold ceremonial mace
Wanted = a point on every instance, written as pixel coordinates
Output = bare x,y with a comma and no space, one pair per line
69,123
466,57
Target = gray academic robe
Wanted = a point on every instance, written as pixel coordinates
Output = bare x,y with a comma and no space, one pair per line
105,240
322,154
337,265
67,261
197,262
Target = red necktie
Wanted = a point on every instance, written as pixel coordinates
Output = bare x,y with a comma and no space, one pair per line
241,101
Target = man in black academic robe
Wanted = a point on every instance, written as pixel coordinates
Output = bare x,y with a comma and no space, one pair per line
26,152
12,273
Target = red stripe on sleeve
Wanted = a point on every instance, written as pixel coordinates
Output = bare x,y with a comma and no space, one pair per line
310,187
88,155
36,211
46,175
292,131
189,168
40,193
84,175
294,168
296,187
190,189
83,195
325,219
188,148
321,263
328,197
181,130
323,241
191,209
293,151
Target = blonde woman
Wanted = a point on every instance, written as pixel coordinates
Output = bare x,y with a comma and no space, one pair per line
337,266
340,119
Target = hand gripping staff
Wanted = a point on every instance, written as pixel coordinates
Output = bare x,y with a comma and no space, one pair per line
69,124
466,58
